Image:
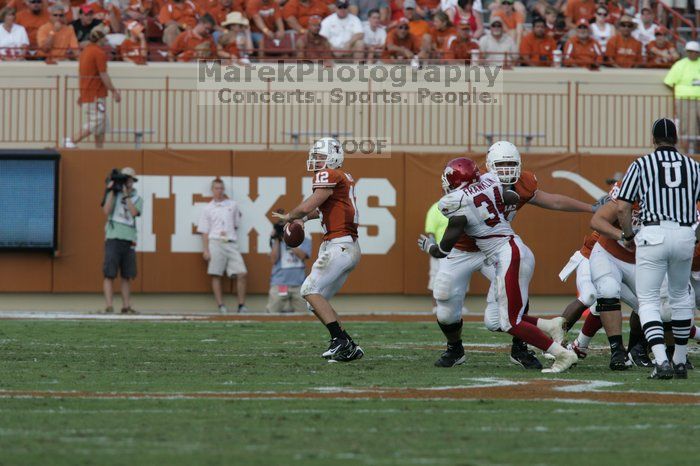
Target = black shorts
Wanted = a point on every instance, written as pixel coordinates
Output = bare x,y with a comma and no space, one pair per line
120,256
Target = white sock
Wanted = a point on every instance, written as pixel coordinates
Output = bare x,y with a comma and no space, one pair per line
680,354
555,348
659,354
583,340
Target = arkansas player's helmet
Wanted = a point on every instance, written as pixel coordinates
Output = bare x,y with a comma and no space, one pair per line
503,159
459,173
325,153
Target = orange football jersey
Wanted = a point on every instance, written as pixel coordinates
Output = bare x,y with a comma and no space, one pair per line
612,246
339,215
589,242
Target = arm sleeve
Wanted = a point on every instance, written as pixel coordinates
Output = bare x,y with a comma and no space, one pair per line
452,204
629,188
203,226
673,75
139,205
289,9
357,26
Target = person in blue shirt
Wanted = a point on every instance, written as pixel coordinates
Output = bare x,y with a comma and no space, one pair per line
288,273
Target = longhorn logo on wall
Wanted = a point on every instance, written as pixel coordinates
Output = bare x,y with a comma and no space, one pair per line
188,192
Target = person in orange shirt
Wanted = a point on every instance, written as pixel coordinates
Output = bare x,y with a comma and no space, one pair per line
32,18
461,47
661,52
133,49
219,9
95,84
623,50
56,39
537,47
418,27
266,20
401,44
195,43
312,45
576,10
177,16
512,20
582,49
442,34
297,13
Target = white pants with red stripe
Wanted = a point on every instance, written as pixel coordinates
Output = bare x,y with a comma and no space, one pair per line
515,265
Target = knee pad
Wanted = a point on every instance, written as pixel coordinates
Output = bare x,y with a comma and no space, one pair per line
449,312
442,287
608,305
492,319
587,294
607,287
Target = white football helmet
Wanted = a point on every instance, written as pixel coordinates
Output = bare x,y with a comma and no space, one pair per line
503,159
325,153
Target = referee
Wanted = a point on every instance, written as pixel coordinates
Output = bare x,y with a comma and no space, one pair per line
666,184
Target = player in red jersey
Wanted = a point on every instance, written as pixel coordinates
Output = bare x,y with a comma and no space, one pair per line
333,201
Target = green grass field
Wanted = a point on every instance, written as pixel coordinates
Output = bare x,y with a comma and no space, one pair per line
213,393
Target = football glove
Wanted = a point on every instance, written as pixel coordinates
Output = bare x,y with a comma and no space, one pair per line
424,243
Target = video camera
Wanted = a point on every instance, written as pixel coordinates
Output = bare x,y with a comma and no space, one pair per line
118,178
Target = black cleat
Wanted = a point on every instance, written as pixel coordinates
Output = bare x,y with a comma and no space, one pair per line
337,347
639,356
688,365
453,356
523,357
680,371
619,361
346,356
664,371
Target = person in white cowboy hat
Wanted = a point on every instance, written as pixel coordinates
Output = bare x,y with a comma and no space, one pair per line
683,79
236,42
122,205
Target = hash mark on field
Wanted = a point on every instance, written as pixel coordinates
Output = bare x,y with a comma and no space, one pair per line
575,391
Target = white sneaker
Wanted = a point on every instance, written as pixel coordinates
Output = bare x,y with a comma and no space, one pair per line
69,144
223,309
242,308
562,362
554,328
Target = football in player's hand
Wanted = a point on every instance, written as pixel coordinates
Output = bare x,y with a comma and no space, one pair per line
293,234
510,197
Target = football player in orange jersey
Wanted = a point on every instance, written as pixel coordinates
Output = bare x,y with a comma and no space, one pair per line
452,280
333,201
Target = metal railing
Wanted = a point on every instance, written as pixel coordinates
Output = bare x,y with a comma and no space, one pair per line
572,117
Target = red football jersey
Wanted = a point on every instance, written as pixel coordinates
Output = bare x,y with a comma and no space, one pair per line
339,215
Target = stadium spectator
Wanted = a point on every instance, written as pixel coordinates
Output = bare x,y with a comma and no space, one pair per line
13,37
512,20
288,273
235,43
363,8
177,16
140,10
466,10
463,46
537,47
218,224
401,44
416,25
646,29
219,9
427,8
682,78
133,48
614,10
32,19
297,13
442,33
601,29
121,208
496,5
266,21
540,7
582,50
56,39
344,32
374,36
85,23
312,45
110,16
497,47
623,50
95,84
661,53
196,43
576,10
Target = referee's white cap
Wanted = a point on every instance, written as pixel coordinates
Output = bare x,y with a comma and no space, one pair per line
692,46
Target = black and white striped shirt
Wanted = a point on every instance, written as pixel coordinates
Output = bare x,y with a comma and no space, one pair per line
667,185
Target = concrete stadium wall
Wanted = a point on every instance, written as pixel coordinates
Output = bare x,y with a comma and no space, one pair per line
601,112
393,195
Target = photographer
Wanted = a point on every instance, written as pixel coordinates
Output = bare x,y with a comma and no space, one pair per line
121,206
288,272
